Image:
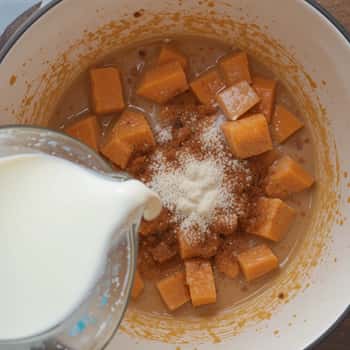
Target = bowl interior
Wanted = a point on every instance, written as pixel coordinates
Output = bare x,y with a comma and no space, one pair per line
314,69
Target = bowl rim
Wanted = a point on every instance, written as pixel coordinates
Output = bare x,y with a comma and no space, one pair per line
12,40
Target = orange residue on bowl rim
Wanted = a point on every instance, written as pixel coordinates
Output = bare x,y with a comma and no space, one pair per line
44,93
13,79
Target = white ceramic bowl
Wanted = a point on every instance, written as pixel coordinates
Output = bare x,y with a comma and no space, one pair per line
306,49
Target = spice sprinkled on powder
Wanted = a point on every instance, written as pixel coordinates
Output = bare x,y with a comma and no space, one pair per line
197,187
212,137
164,135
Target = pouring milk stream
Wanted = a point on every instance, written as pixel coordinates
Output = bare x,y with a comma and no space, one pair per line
57,220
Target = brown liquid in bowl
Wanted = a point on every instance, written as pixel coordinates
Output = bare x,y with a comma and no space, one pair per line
202,53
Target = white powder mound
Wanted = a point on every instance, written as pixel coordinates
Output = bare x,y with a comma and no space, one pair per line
195,190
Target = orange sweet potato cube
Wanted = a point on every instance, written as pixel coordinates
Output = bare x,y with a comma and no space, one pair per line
116,150
133,128
193,248
235,68
200,279
174,291
248,137
170,54
258,261
106,90
236,100
206,86
87,130
162,83
227,264
266,159
266,90
285,177
284,124
138,285
272,219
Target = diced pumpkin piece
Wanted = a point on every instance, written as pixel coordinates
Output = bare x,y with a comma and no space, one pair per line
133,128
158,225
272,219
187,98
235,68
285,177
171,54
200,279
173,291
138,285
87,130
162,252
162,83
257,262
266,90
248,137
116,150
266,159
197,248
106,90
237,100
206,86
284,124
224,224
227,264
